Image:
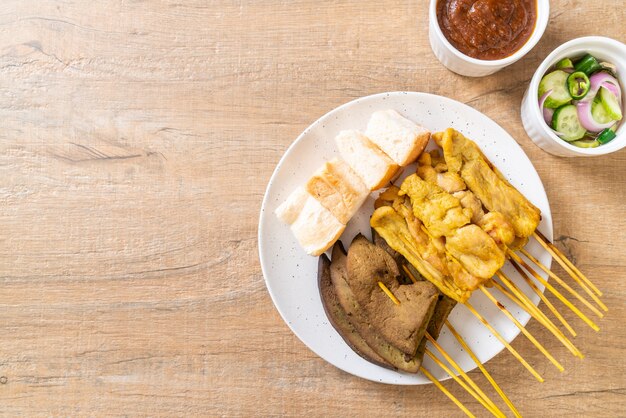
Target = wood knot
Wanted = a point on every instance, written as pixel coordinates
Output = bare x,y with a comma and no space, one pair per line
3,380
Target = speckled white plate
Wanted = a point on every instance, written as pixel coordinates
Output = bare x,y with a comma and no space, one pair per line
291,275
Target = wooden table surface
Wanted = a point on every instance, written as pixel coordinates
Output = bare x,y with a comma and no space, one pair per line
137,139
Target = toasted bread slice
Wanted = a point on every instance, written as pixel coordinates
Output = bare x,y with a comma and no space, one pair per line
289,210
338,189
316,228
366,159
400,138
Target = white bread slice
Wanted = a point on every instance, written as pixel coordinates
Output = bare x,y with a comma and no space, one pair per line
315,228
374,167
289,210
338,189
398,137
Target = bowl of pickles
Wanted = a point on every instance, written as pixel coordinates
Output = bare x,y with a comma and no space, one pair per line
574,105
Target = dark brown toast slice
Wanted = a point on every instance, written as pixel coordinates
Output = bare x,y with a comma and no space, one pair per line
359,318
338,318
444,303
402,325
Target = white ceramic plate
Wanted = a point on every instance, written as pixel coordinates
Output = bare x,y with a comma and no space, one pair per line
291,275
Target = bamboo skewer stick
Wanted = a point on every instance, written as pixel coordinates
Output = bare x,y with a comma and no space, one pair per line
543,240
503,341
560,258
408,272
525,303
543,297
489,407
567,287
458,368
534,308
483,369
388,293
446,392
523,329
554,291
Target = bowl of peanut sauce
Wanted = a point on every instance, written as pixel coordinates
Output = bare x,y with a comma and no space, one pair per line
479,37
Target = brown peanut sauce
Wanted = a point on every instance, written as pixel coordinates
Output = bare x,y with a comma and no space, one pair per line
487,29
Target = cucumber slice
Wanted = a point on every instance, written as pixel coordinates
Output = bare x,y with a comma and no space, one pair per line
557,82
565,121
599,114
610,103
586,143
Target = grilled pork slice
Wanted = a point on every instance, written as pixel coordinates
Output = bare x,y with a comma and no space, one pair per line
401,325
360,320
463,156
497,195
423,253
443,215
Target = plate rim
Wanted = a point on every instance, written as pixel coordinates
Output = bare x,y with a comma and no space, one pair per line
290,149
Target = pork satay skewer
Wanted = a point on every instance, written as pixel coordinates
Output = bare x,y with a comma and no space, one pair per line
446,392
483,369
565,285
524,228
527,305
464,157
493,409
455,365
511,317
569,271
555,292
522,329
428,175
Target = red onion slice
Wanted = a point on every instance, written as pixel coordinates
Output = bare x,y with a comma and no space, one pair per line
586,119
603,79
547,113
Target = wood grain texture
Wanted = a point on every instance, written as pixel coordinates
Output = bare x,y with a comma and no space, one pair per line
136,143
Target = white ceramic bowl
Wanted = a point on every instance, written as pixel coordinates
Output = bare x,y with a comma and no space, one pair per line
462,64
605,49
